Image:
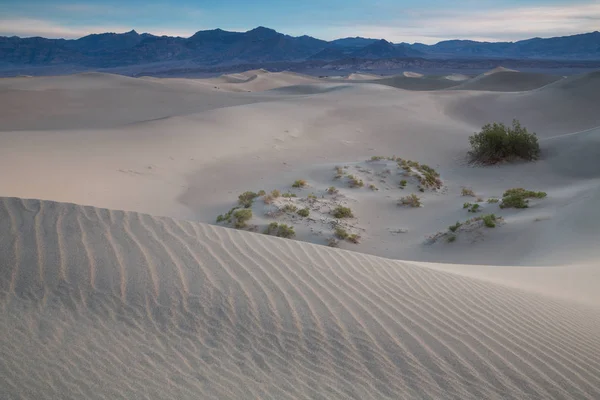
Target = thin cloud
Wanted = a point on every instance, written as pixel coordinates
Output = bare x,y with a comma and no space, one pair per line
490,25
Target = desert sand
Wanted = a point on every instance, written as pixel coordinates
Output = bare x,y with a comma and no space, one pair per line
116,281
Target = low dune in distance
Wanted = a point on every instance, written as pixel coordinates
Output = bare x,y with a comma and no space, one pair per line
122,273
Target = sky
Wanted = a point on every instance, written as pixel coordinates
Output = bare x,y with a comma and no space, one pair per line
424,21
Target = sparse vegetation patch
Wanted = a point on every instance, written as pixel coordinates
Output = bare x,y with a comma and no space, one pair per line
300,183
519,198
342,212
411,200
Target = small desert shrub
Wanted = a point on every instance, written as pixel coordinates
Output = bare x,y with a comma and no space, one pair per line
497,142
332,190
489,220
342,212
275,193
454,228
373,187
261,193
451,238
341,233
493,200
377,158
355,182
245,199
268,199
411,200
467,205
339,172
333,242
300,183
354,238
272,228
304,212
288,195
519,198
467,192
403,183
311,196
242,217
474,208
285,231
227,216
280,230
289,208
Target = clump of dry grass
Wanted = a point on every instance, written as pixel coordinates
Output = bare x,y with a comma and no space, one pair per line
299,183
467,192
411,200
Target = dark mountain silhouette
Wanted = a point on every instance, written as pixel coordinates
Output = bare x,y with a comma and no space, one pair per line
263,45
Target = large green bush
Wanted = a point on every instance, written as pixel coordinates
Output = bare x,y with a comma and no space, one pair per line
497,142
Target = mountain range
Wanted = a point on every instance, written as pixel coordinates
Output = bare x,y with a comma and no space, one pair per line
263,45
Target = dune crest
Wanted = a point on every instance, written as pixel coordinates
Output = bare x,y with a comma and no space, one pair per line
108,304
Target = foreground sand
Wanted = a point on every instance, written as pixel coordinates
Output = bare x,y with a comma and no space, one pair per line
120,304
107,304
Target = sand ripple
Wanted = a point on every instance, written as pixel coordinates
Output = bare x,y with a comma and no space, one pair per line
101,304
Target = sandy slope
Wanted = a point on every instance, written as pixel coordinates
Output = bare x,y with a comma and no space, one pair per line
508,81
202,151
107,304
116,304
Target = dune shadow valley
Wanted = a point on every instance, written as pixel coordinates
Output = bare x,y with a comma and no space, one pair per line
276,235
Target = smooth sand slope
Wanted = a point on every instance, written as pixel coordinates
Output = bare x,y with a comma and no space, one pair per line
107,304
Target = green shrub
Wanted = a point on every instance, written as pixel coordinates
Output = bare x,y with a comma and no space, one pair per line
311,196
342,212
227,216
288,195
519,198
493,200
341,233
403,183
300,183
242,217
245,199
474,208
497,142
355,182
354,238
451,238
280,230
304,212
377,158
467,205
275,193
467,192
285,231
489,220
272,228
289,208
411,200
454,228
373,187
332,190
261,193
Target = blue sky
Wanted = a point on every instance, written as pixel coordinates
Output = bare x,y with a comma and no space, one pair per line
426,21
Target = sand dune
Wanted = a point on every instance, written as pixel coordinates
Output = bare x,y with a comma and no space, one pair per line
107,304
362,77
411,83
565,106
508,81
